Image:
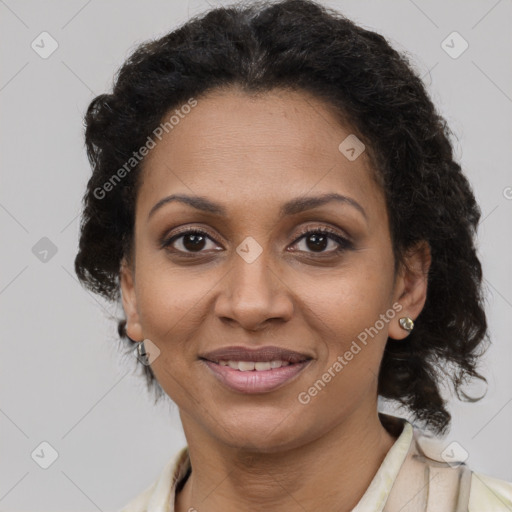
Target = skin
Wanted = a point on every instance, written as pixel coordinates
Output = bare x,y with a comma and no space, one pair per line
251,154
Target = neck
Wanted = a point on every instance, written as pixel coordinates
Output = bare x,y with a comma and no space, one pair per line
330,473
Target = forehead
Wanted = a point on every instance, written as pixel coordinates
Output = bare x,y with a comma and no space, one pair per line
243,147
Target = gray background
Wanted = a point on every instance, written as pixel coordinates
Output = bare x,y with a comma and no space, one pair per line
61,378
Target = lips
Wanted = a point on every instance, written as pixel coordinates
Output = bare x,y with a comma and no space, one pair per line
253,382
255,370
239,353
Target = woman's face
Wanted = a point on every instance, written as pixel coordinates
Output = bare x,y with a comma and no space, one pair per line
254,280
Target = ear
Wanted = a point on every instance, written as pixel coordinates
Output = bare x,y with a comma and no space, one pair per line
127,282
411,287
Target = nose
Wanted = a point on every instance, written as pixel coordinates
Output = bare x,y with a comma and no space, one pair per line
254,294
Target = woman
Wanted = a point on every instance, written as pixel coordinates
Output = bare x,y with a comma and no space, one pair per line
275,201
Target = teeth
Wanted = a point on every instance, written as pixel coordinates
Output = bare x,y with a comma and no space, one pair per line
262,366
245,366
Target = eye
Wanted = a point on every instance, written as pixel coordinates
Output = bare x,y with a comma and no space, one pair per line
318,239
314,240
190,241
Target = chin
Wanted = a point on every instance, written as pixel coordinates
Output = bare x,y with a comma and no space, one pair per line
266,434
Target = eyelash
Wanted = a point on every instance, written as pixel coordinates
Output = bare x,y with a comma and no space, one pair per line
343,243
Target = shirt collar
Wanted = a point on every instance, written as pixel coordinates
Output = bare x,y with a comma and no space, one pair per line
378,491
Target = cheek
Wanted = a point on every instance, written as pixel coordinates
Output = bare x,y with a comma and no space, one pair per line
350,312
169,299
352,298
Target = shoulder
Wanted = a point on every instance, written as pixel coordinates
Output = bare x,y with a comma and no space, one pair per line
486,493
448,480
140,502
157,495
489,494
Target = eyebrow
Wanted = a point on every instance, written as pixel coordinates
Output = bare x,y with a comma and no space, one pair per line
291,207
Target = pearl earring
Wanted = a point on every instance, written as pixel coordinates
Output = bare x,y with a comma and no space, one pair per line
406,323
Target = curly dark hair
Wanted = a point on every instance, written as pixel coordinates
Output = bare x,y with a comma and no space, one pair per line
302,45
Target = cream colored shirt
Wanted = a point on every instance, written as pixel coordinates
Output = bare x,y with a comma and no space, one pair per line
486,494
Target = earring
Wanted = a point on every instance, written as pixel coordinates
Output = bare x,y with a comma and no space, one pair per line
143,355
406,323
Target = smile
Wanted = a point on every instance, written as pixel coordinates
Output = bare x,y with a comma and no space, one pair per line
259,366
255,377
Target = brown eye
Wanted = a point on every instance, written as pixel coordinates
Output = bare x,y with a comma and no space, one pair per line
188,241
318,240
193,242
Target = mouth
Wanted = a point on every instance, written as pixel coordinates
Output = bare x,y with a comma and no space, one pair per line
255,370
239,357
257,366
